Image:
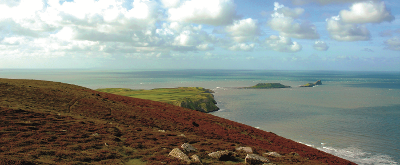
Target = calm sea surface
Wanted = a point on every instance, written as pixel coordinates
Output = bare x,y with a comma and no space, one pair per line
354,115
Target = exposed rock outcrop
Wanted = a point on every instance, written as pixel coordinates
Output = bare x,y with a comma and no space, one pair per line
255,159
248,150
222,155
195,159
273,154
187,147
177,153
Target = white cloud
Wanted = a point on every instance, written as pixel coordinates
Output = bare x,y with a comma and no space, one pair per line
346,32
14,41
211,12
325,2
204,47
242,47
287,26
287,12
171,3
393,44
367,12
244,30
321,46
282,44
186,38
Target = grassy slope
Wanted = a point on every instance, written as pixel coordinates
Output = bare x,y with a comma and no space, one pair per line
196,98
55,123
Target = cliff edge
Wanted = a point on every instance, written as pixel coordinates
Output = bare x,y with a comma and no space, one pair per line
196,98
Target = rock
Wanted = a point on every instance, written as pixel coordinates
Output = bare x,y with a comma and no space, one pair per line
319,82
177,153
255,159
195,159
221,155
273,154
187,147
294,154
248,150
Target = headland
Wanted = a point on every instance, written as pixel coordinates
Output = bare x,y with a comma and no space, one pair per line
196,98
44,122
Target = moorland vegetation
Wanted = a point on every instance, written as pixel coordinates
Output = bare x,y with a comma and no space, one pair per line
45,122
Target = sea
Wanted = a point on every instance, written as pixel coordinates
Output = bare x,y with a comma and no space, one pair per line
353,115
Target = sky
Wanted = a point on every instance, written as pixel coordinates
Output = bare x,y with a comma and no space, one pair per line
353,35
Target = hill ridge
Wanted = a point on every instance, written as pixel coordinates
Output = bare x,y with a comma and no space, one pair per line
128,129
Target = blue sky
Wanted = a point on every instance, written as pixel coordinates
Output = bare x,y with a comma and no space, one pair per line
201,34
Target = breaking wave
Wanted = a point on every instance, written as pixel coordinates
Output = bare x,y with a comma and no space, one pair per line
357,156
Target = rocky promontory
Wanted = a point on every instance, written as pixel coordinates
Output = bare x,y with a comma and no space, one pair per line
196,98
312,84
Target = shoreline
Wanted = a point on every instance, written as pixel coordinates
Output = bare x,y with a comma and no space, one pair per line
356,154
43,99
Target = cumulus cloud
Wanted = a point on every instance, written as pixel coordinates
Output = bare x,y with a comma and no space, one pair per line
287,12
211,12
244,30
367,12
204,47
282,44
393,44
324,2
170,3
321,46
341,31
242,47
287,26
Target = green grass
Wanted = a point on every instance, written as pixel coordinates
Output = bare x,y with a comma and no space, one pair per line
188,97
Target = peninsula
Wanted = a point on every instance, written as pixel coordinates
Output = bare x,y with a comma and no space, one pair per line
266,86
44,122
196,98
312,84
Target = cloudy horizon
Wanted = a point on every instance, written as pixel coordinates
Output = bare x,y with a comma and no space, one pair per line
353,35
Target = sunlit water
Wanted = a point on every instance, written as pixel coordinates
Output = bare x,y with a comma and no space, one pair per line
354,115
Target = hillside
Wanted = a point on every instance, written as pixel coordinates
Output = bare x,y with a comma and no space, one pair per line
46,122
196,98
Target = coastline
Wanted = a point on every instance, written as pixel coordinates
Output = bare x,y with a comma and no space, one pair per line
381,96
45,101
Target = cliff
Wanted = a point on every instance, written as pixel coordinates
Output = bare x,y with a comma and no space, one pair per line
43,122
205,103
196,98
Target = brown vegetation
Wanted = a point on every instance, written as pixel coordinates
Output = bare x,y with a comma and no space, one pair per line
55,123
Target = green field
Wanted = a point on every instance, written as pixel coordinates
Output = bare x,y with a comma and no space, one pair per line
196,98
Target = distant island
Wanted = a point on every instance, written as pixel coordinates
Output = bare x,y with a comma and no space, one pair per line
312,84
196,98
266,86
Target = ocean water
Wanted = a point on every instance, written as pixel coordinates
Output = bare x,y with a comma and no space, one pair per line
353,115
